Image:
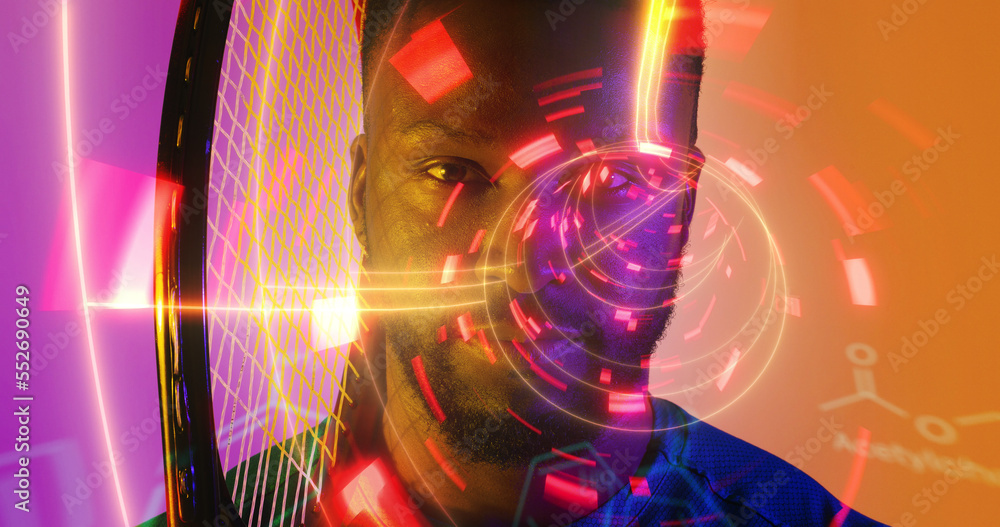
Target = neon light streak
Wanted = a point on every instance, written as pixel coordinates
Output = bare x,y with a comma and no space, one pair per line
451,264
568,93
525,215
576,110
655,150
425,388
477,240
465,326
523,422
605,376
486,347
854,480
449,203
571,457
536,151
723,379
79,262
446,465
568,78
654,44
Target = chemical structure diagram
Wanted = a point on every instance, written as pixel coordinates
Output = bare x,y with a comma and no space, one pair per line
933,428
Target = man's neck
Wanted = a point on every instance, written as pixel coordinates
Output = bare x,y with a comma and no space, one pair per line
451,490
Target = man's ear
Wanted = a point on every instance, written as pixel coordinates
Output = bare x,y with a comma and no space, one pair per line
358,186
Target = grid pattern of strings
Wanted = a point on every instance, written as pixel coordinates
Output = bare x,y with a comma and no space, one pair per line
281,256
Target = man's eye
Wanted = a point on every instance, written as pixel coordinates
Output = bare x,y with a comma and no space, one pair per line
448,172
614,181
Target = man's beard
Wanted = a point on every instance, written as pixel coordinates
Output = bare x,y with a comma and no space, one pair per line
478,428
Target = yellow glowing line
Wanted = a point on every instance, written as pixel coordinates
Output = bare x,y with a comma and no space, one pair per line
651,61
271,309
79,260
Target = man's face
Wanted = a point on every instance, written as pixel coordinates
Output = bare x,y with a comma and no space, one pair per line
524,252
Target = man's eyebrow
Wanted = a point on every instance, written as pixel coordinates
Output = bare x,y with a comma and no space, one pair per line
429,127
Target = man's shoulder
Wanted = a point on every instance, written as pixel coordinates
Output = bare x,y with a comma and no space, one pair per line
758,483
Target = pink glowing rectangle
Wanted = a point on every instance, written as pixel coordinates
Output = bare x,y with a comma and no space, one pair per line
525,215
605,376
623,315
477,240
569,495
536,151
639,485
859,279
465,326
586,146
723,379
451,264
431,63
442,334
626,403
655,150
744,172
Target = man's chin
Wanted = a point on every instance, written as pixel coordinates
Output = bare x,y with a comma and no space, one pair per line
509,439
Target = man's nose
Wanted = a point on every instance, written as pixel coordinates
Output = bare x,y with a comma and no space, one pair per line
525,249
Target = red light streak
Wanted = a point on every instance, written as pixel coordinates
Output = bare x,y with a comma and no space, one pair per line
476,240
449,203
576,110
446,465
523,422
571,77
425,388
535,151
568,93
